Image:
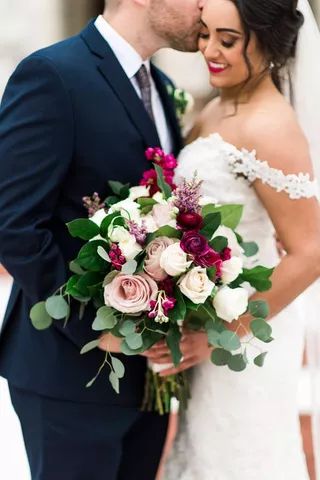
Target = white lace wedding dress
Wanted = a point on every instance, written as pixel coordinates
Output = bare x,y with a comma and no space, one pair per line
245,426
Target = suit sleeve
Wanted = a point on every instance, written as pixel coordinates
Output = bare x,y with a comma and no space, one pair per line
36,144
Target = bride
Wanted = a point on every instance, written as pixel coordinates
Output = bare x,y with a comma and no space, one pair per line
250,149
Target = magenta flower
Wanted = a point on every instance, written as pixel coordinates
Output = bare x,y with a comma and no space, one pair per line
225,254
189,221
194,243
116,257
210,258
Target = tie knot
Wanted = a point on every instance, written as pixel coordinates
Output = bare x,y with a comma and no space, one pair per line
143,78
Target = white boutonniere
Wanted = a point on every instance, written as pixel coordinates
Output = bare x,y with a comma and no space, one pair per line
183,102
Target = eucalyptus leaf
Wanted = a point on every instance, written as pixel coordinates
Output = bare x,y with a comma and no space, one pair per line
259,360
89,384
250,248
220,357
83,228
75,268
89,346
237,363
105,319
118,367
261,329
213,337
229,340
258,308
57,307
103,254
127,328
39,316
114,380
129,267
134,341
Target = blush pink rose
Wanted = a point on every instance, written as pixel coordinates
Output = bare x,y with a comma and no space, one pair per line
153,255
130,293
162,215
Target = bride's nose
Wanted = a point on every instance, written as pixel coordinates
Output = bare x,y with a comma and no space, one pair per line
211,51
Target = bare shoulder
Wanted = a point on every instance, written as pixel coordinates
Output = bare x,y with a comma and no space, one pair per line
277,137
203,119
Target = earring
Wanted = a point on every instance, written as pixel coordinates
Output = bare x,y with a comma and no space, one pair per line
271,66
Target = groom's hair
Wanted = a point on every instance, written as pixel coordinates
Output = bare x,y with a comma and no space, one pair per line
276,24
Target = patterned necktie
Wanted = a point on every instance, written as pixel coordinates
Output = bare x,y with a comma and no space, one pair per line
144,83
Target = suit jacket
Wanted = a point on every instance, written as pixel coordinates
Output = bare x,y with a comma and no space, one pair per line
70,120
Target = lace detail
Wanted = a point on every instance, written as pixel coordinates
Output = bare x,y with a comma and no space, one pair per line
295,185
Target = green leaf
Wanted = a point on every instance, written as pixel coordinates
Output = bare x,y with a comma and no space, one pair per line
165,231
259,360
179,311
146,202
89,346
127,328
258,277
83,228
230,214
109,201
106,222
103,254
219,243
259,308
173,341
129,267
105,319
210,224
237,363
213,337
39,316
229,340
75,268
118,367
89,384
220,357
57,307
261,329
118,187
126,350
89,258
162,184
114,380
250,248
134,341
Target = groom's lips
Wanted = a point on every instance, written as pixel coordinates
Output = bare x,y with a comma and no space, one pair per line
216,67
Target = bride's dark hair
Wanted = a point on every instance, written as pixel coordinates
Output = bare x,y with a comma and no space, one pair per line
276,24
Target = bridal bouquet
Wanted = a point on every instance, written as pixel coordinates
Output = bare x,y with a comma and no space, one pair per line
160,258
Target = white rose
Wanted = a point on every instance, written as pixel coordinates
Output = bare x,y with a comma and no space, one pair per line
99,216
196,285
130,248
223,231
150,223
173,260
231,269
206,200
118,234
159,198
137,192
231,303
128,209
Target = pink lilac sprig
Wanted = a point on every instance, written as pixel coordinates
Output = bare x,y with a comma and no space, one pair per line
93,204
187,196
116,257
160,307
139,232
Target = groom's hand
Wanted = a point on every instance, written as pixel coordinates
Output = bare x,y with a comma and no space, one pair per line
110,343
194,348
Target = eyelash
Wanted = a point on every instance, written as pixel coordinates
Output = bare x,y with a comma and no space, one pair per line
205,36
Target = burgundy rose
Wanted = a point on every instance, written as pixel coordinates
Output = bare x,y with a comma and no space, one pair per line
194,243
189,221
225,254
210,258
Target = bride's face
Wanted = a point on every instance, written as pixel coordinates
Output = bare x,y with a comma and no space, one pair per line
222,42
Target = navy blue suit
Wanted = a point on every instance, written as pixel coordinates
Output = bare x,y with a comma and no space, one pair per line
70,120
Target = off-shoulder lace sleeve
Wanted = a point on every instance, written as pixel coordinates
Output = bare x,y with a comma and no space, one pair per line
297,186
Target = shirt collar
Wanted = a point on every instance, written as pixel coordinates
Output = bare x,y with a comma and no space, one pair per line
128,57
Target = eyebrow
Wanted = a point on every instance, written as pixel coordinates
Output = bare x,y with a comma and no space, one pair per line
231,30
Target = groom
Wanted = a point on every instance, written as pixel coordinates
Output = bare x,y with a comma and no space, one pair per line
73,116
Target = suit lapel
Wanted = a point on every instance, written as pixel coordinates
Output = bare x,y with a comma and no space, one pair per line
113,73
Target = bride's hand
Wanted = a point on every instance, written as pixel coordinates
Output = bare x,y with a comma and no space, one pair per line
109,343
194,348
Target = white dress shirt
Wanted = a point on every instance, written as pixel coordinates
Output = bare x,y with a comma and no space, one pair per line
131,61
